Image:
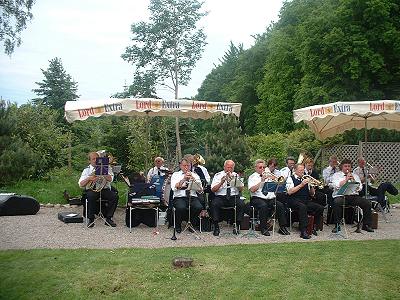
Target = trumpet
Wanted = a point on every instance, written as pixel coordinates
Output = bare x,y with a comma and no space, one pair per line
313,182
273,177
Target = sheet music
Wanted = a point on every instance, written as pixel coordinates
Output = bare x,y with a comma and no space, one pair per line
349,188
236,182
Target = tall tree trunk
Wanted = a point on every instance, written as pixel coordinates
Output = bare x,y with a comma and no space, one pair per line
178,137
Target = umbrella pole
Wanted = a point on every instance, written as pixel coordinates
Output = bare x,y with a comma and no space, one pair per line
365,156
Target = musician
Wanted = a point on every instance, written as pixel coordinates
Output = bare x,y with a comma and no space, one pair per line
264,204
300,193
88,176
380,191
328,172
338,180
158,169
179,184
273,168
226,195
288,170
319,196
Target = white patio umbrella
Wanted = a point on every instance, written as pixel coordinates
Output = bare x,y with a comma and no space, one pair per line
330,119
151,107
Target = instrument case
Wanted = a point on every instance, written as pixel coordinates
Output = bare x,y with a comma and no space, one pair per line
70,217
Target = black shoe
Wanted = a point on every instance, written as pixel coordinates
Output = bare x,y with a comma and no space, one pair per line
336,229
110,222
304,235
367,228
236,231
265,232
283,231
91,223
216,230
178,229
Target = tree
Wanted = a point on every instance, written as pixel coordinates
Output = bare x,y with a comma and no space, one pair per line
13,18
57,88
165,49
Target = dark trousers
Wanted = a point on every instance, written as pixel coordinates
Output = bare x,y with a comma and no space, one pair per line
181,205
265,208
352,200
108,196
380,191
305,207
328,192
223,201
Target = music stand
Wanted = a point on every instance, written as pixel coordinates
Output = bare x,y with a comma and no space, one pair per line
349,188
101,170
192,186
274,187
236,182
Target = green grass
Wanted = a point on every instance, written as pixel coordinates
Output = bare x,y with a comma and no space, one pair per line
394,199
323,270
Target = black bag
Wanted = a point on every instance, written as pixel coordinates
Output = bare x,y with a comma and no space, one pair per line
70,217
15,205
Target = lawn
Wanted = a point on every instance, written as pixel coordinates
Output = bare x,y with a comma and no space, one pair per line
320,270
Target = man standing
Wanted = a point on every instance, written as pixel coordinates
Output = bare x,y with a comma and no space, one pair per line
158,169
88,176
226,195
264,204
288,170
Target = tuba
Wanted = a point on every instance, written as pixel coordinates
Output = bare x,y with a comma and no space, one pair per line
198,160
313,182
98,184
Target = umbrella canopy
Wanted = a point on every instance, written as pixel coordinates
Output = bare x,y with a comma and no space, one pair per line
83,109
330,119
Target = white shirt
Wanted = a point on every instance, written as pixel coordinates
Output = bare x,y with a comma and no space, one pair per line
286,172
327,174
253,180
205,172
290,183
340,176
222,190
276,172
89,171
178,176
156,171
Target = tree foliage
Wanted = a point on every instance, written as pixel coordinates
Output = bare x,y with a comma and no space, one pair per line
165,50
57,87
14,16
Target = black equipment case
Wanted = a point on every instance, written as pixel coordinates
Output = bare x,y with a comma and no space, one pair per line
70,217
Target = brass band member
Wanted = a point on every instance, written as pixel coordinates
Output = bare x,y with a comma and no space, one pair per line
327,174
158,168
180,181
319,196
338,180
380,190
264,204
288,170
300,193
225,194
273,168
87,177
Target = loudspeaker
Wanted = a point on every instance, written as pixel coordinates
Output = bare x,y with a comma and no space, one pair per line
14,205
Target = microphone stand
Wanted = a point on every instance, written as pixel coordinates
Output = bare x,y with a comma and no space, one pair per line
174,235
189,225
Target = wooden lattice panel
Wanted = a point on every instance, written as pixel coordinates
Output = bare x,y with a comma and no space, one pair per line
384,156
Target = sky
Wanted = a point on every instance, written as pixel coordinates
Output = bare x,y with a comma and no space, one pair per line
89,36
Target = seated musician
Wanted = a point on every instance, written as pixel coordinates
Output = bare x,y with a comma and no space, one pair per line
300,193
327,174
179,183
288,170
380,191
338,180
273,168
158,169
319,196
225,195
264,204
87,177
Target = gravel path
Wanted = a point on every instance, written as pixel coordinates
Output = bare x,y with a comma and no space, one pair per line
44,230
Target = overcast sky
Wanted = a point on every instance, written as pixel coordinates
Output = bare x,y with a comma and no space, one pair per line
90,35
